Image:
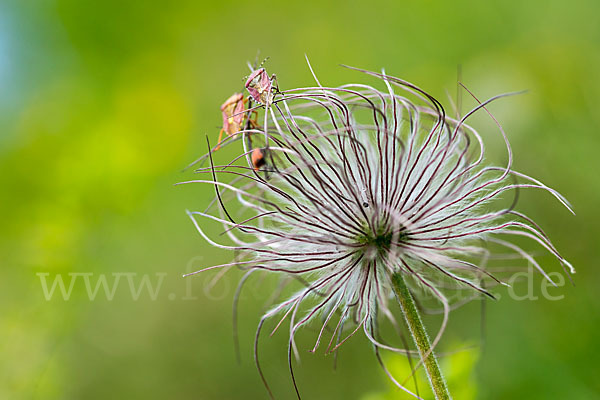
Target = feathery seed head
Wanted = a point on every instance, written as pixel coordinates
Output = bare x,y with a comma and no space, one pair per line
357,184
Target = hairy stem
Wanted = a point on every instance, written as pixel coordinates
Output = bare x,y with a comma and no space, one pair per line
417,329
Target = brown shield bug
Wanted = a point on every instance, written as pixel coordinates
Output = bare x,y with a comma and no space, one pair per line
233,115
261,87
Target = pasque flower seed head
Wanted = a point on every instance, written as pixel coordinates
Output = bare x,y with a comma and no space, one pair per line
358,184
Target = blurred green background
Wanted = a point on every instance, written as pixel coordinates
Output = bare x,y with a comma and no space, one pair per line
103,103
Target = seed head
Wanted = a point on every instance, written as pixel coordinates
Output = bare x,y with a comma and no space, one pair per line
357,184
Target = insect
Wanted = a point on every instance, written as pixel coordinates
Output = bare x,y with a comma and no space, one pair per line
258,158
261,88
233,116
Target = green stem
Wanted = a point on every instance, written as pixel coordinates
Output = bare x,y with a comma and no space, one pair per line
417,329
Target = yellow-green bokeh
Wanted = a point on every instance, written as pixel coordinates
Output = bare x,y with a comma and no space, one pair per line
103,103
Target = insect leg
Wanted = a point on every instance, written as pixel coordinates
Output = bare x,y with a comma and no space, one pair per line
220,137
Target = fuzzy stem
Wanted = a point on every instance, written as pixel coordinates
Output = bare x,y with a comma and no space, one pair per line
417,329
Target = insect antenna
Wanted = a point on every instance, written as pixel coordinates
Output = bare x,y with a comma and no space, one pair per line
253,67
